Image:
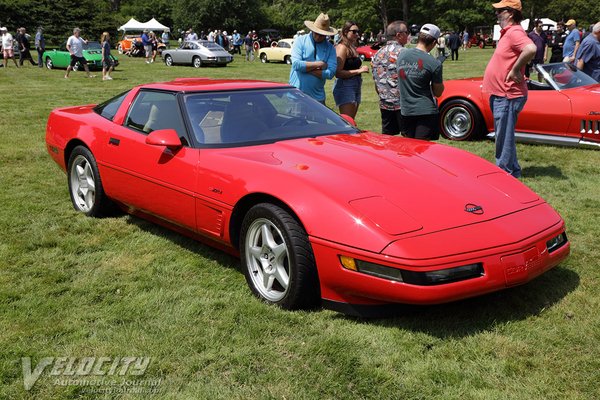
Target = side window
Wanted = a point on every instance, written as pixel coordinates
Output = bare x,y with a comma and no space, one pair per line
155,110
109,108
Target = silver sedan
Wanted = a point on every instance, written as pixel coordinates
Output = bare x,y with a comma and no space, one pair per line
197,53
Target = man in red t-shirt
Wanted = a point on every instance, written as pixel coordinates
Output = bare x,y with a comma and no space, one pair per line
505,82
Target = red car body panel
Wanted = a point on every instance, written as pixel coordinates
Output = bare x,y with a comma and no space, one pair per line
368,51
392,201
547,113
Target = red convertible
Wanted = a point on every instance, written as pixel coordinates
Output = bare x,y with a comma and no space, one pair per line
319,211
564,109
367,52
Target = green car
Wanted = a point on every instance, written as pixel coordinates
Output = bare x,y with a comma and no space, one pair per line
60,58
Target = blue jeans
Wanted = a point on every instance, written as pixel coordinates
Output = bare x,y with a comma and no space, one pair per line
505,113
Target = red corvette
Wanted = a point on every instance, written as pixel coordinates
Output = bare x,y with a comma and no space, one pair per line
564,109
319,211
367,52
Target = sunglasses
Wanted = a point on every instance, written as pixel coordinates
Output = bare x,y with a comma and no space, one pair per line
501,10
355,31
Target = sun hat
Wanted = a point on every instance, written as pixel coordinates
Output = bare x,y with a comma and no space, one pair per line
321,26
431,30
514,4
571,22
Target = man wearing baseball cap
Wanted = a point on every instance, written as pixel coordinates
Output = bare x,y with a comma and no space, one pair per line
314,58
505,82
419,80
571,42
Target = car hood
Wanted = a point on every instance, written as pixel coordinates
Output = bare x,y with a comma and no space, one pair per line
401,186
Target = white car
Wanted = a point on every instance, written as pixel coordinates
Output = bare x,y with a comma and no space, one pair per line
197,53
281,52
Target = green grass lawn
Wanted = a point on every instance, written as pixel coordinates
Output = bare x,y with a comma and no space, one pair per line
72,286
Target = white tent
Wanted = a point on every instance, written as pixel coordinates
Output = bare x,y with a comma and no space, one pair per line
135,25
525,25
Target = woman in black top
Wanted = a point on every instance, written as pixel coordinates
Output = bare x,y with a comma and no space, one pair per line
348,83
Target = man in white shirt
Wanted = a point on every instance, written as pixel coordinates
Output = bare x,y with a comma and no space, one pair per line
75,46
7,47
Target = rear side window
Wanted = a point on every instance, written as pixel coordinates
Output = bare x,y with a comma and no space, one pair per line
109,108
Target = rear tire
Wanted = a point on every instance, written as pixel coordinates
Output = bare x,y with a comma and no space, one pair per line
263,58
49,63
460,120
85,185
168,60
196,62
277,258
288,60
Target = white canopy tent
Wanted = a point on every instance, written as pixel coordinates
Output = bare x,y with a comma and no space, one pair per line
135,25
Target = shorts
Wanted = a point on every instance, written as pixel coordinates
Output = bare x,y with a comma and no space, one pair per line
75,59
8,53
347,90
108,63
424,127
392,122
148,50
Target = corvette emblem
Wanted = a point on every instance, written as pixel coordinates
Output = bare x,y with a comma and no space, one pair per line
474,209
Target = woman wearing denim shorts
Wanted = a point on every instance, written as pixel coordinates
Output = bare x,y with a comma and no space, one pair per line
348,83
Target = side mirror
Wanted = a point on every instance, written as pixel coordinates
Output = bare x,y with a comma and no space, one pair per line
164,137
349,119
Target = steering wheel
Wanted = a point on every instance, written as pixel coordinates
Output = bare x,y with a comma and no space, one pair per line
295,121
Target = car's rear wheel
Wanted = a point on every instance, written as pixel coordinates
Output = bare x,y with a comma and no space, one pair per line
460,120
196,62
49,63
85,185
120,48
288,60
77,66
362,57
169,60
263,58
277,258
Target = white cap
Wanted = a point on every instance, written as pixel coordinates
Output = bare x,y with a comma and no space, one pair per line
431,30
3,29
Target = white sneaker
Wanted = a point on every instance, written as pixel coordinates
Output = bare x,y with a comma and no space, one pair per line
147,62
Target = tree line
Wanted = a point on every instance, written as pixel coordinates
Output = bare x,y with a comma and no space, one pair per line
59,17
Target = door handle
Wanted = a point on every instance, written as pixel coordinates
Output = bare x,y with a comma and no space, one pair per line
114,141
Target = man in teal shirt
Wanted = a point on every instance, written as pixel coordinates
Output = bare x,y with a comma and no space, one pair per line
314,59
419,80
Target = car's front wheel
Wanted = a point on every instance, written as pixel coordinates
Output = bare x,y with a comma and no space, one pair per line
277,258
362,57
263,58
85,185
288,60
196,62
460,120
119,49
168,60
49,63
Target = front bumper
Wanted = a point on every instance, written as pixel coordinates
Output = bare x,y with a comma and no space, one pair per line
505,264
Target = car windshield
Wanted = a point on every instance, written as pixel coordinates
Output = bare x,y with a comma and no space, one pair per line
92,46
250,117
211,45
564,76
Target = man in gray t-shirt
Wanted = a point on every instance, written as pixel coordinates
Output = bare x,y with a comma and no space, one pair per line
420,81
75,46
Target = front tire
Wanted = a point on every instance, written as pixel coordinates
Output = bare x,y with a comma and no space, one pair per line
263,58
277,258
460,120
85,185
168,60
288,60
119,49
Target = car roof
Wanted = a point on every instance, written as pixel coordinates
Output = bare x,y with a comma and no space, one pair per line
209,85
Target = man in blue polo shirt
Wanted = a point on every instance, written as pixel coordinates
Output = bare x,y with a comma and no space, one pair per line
314,59
588,56
571,42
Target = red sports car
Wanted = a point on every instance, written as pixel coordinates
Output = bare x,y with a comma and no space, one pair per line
367,52
564,109
319,211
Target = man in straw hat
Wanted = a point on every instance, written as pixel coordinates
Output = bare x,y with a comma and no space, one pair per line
505,82
314,58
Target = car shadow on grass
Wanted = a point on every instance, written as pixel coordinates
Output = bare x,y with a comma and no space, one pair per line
551,171
470,316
